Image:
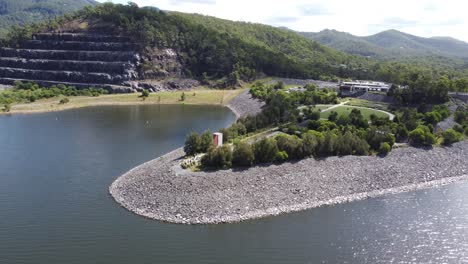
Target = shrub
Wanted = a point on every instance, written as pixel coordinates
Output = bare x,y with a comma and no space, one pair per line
417,137
243,155
6,108
442,110
375,137
461,115
32,98
145,93
64,101
218,157
458,128
385,148
192,144
451,136
292,145
421,136
333,116
432,117
182,97
430,139
401,132
265,150
431,128
314,115
281,156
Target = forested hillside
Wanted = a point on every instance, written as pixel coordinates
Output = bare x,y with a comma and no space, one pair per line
406,43
392,45
19,12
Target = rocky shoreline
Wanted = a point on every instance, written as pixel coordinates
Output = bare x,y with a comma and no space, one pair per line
161,190
244,105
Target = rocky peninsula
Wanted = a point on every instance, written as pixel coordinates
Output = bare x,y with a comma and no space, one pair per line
160,189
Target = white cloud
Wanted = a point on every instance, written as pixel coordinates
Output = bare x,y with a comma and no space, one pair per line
360,17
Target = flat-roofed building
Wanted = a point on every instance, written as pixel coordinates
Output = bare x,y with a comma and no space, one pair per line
354,86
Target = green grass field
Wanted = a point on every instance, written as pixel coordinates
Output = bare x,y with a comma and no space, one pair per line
319,108
347,109
196,96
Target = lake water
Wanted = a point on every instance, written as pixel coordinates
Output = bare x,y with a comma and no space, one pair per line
55,169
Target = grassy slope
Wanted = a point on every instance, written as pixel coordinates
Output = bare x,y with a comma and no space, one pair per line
196,97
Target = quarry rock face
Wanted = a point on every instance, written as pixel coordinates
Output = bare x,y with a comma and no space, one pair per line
87,60
161,63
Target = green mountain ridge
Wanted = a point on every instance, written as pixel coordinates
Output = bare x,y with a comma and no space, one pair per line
20,12
391,44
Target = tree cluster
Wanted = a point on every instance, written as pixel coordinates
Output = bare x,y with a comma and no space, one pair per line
196,143
30,92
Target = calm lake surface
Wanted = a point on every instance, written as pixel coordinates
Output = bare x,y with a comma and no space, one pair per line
55,170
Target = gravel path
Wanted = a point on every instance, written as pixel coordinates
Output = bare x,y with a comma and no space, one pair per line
244,105
160,190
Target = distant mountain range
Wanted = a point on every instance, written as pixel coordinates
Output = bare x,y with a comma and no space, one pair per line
391,44
19,12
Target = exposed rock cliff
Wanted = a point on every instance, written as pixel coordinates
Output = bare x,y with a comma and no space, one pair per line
91,59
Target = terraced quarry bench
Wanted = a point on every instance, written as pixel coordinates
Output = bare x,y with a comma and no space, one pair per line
81,60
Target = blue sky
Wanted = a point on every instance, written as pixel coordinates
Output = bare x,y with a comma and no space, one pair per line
359,17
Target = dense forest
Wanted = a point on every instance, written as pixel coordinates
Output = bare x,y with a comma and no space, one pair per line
20,12
221,49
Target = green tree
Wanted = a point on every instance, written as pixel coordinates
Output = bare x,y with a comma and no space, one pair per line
357,119
343,120
401,133
206,141
310,143
314,115
218,157
265,150
292,145
333,116
375,137
243,155
192,144
327,144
